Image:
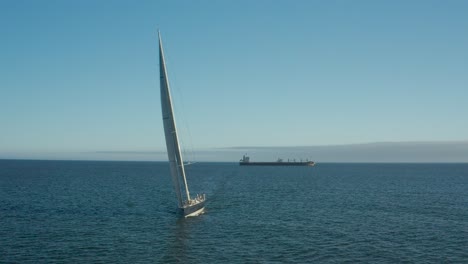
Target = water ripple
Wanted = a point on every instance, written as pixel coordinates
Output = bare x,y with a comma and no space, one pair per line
123,212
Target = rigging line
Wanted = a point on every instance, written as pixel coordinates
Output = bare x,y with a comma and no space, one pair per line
180,99
185,126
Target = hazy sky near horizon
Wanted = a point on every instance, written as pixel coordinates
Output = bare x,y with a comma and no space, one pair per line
82,76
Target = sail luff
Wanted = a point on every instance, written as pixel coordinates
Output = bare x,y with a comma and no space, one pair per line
166,115
170,130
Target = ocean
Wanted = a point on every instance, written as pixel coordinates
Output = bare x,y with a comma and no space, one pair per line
124,212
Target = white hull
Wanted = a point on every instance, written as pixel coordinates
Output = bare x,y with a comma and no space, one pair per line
193,207
197,213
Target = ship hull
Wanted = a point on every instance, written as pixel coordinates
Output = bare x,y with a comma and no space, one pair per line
307,163
192,210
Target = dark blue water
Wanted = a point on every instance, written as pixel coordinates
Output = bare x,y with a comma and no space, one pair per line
124,212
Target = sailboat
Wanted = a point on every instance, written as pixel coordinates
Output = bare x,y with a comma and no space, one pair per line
187,206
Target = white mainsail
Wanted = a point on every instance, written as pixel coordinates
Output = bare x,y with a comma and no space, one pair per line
170,130
187,205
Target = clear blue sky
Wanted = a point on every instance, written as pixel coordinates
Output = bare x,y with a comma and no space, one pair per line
82,76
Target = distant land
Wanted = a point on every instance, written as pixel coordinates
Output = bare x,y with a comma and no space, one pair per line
446,151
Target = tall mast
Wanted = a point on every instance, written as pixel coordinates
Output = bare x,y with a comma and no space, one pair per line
170,130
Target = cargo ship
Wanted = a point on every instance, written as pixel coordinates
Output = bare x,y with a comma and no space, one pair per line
245,161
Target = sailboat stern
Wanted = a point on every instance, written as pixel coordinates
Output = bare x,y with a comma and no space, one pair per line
193,207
